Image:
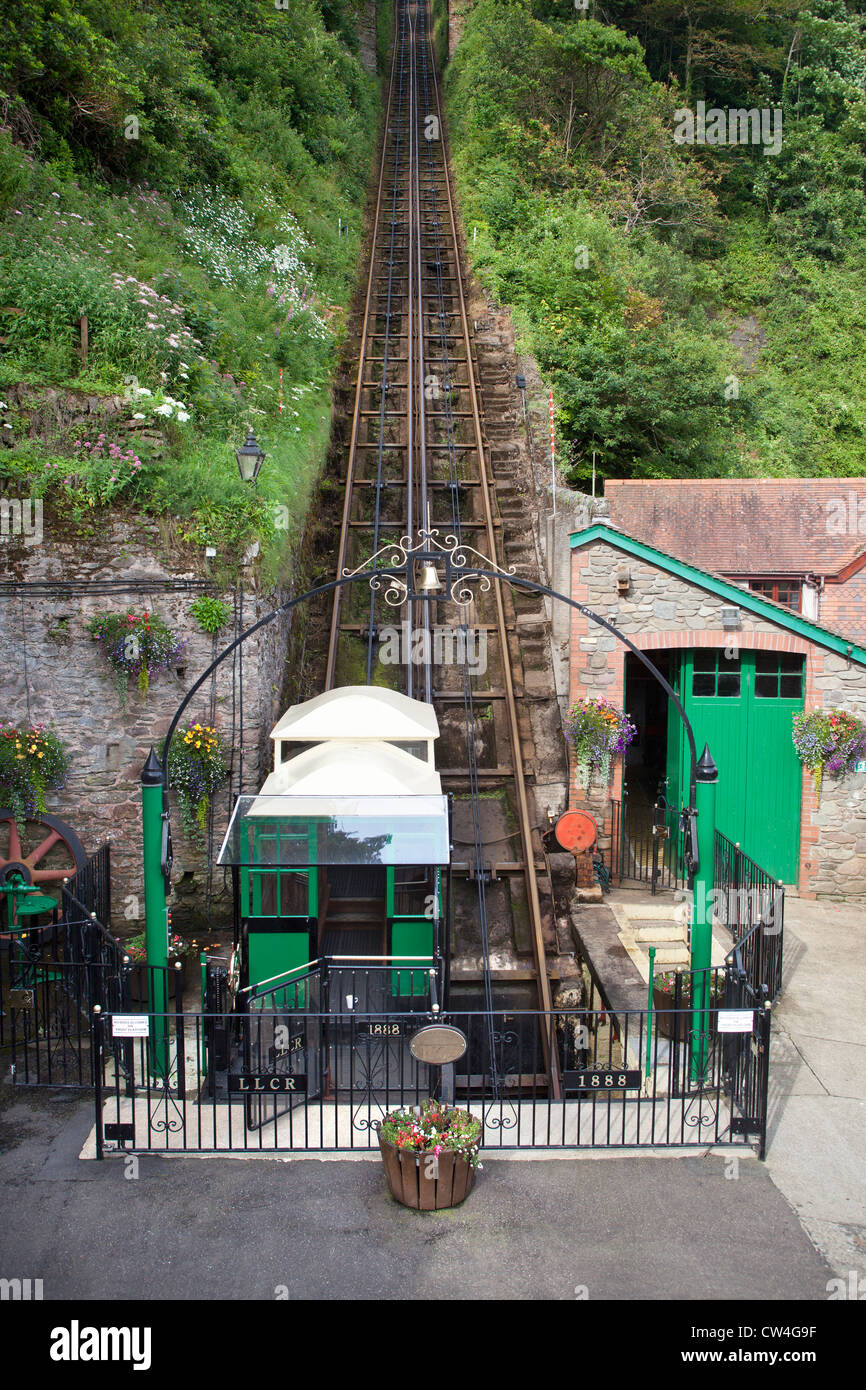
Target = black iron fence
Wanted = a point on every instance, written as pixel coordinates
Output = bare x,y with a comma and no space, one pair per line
751,904
282,1080
47,1009
89,891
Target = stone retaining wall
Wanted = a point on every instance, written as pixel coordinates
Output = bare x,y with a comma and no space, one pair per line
54,673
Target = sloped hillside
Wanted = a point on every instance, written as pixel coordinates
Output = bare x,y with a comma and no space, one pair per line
189,179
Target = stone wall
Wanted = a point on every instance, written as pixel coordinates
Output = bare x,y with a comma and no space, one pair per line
661,611
54,673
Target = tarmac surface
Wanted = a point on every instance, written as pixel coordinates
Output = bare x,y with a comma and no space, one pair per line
666,1228
718,1225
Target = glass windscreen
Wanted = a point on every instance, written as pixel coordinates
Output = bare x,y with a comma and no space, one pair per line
292,830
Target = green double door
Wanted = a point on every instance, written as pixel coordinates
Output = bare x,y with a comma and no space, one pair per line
742,705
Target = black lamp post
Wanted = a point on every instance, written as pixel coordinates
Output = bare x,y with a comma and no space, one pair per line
250,458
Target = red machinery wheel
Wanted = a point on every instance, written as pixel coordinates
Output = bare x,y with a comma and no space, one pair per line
42,849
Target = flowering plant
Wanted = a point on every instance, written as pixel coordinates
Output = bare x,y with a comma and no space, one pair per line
32,759
197,767
434,1128
666,981
597,730
830,739
136,947
134,646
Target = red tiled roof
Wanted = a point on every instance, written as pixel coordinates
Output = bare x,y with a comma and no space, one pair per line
745,526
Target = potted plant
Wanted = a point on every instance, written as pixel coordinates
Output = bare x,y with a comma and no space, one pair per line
831,739
134,646
597,732
32,761
668,1020
431,1154
135,947
198,765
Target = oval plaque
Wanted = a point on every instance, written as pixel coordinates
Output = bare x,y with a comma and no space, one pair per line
438,1044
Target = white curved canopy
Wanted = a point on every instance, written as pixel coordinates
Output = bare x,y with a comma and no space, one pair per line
347,768
358,712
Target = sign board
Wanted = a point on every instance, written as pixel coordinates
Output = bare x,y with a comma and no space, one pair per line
601,1079
736,1020
130,1025
380,1030
267,1083
438,1044
861,766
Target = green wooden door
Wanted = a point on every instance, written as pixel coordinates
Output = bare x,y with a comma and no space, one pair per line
742,707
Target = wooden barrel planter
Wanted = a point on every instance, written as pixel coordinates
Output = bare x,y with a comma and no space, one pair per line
411,1179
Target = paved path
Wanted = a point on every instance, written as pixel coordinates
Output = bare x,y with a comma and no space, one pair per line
817,1117
625,1228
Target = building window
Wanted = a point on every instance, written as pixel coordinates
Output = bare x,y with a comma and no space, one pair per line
784,591
778,675
715,674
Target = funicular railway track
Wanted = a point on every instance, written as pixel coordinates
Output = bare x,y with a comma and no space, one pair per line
418,460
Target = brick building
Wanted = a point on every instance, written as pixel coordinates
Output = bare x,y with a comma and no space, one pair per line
742,665
798,541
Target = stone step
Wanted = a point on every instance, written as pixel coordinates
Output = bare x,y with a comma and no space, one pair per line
670,932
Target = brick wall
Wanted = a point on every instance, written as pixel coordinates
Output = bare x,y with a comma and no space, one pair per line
843,607
662,611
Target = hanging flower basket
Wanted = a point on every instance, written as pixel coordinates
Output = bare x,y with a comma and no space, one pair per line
135,646
430,1155
198,765
830,740
597,732
33,760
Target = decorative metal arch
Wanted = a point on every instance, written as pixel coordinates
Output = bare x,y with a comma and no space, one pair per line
403,556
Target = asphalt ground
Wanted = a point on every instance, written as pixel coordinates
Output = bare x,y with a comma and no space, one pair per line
614,1228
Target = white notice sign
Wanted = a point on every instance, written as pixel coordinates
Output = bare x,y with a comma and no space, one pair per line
130,1025
736,1020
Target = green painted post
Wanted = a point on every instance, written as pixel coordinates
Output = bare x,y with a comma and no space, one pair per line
649,1016
702,908
155,912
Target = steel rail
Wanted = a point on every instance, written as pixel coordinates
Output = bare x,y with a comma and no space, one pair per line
362,356
524,819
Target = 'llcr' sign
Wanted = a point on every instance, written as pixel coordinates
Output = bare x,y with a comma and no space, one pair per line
265,1083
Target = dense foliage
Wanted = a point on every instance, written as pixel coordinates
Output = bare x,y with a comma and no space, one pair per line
191,176
699,308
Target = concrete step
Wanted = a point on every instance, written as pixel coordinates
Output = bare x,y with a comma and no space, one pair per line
670,931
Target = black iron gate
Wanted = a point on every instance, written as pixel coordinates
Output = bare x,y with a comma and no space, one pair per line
649,846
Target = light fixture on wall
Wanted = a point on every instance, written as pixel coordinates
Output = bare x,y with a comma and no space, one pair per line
730,619
623,579
250,458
